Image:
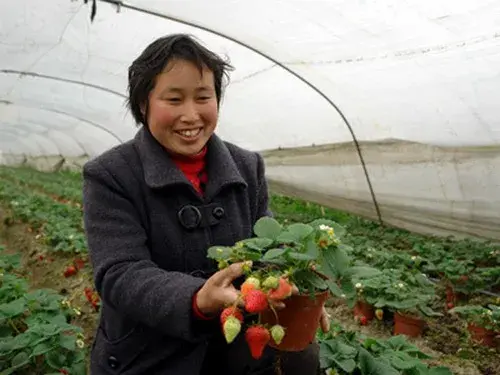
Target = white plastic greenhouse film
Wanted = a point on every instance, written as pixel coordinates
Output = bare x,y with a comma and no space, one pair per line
417,80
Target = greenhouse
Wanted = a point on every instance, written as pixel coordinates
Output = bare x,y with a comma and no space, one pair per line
378,126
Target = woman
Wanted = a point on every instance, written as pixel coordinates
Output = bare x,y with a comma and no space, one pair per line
153,206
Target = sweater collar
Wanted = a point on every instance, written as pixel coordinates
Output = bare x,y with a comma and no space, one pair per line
160,169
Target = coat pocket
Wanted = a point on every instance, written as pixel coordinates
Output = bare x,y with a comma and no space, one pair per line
117,356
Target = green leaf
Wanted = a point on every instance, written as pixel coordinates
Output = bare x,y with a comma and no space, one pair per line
259,244
300,231
341,261
274,253
219,252
41,348
21,359
369,365
334,288
363,272
13,309
68,342
300,256
348,365
267,227
312,249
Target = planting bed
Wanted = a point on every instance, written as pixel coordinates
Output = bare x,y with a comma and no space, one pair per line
41,227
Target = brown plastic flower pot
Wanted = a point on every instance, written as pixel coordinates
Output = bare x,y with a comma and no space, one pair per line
484,336
300,318
363,308
407,325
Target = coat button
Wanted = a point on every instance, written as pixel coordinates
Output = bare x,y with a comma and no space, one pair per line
113,362
218,212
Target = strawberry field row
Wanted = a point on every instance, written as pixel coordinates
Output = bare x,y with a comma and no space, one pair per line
58,225
36,334
402,257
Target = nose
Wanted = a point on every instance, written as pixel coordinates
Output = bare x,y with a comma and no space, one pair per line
190,112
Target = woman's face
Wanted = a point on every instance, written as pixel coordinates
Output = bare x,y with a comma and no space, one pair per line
183,108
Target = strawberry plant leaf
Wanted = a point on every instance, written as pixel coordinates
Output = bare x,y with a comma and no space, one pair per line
41,348
267,227
274,253
219,252
20,359
300,256
259,244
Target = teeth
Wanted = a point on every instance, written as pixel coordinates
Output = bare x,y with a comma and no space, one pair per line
190,133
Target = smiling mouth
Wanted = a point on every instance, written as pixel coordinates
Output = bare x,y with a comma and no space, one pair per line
191,133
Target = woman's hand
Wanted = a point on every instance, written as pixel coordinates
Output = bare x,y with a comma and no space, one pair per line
325,321
218,291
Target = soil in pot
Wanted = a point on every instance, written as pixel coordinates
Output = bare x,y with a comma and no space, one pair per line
363,308
408,325
484,336
300,318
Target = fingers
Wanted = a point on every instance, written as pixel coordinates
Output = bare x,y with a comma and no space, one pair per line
227,275
325,321
278,305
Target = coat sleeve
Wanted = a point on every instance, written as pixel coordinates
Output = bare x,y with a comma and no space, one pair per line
124,274
263,190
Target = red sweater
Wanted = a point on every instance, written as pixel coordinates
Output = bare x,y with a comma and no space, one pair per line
193,168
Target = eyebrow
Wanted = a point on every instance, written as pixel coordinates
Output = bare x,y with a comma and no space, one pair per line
178,89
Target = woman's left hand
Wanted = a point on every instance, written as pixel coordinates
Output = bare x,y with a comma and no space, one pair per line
325,321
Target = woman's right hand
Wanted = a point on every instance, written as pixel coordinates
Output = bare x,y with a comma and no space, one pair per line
218,291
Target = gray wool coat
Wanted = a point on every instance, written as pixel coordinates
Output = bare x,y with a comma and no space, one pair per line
148,232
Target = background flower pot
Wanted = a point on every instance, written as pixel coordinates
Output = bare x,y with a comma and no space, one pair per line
483,335
300,318
363,308
407,325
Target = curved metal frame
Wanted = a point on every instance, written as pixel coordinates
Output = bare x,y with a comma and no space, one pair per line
123,4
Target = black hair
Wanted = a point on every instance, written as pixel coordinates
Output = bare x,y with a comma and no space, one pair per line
143,71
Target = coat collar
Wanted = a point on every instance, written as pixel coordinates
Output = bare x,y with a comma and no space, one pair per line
161,171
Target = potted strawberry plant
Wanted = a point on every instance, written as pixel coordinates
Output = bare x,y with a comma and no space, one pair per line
405,294
483,323
309,256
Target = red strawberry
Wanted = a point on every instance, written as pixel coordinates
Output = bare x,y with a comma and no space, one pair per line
79,263
231,311
257,338
250,283
283,291
256,301
363,320
450,305
69,271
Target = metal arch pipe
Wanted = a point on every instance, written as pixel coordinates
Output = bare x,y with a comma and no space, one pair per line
101,127
60,79
123,4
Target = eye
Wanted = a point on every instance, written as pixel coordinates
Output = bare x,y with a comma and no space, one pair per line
204,97
174,100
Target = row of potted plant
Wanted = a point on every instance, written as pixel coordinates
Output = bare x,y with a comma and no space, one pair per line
483,322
